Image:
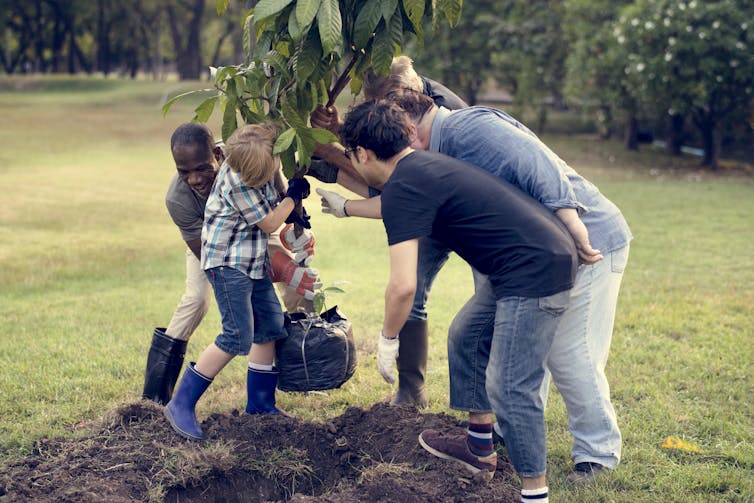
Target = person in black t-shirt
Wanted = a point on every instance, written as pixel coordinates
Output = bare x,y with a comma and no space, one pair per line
525,263
412,358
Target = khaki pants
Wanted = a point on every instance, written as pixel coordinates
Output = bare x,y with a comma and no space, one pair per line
196,297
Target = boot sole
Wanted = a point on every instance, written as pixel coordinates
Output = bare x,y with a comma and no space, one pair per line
484,474
184,434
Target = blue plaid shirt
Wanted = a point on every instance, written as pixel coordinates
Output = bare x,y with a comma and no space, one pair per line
230,236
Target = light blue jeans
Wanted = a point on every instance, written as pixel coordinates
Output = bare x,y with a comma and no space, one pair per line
578,357
503,374
432,256
249,309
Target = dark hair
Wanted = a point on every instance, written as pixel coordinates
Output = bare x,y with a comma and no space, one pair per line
192,133
380,126
415,104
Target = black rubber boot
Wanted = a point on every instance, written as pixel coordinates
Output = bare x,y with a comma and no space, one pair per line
163,366
412,364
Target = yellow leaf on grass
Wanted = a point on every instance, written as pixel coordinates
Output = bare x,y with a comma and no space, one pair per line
677,443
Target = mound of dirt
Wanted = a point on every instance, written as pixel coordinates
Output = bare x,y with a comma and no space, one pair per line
363,455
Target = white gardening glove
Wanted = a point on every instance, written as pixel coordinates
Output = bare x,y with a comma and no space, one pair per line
302,247
333,203
285,270
387,352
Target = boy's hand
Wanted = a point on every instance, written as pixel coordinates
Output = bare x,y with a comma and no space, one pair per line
303,279
302,220
298,189
302,247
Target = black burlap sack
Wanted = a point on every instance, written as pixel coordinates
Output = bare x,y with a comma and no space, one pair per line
318,353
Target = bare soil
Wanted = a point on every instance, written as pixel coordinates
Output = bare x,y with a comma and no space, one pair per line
361,456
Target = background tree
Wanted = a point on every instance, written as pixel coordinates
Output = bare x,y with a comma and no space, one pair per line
595,80
693,58
461,57
185,22
532,54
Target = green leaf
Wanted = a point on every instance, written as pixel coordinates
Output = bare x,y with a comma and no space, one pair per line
388,8
290,114
230,120
267,8
452,10
204,110
366,23
221,6
284,141
383,50
319,302
277,61
333,289
248,40
288,160
305,145
294,30
328,19
308,57
174,99
323,136
306,10
415,12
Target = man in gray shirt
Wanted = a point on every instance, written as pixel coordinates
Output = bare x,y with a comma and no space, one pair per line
197,159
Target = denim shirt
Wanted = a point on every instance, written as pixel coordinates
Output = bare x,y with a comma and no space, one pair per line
493,140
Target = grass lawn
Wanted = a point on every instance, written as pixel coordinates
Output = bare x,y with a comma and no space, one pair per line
90,262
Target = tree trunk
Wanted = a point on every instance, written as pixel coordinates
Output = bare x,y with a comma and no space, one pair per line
605,122
103,38
706,121
631,136
676,136
188,51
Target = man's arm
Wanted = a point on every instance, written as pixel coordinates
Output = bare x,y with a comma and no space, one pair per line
195,245
580,235
401,287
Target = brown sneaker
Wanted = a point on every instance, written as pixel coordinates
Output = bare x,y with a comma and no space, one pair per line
585,473
453,447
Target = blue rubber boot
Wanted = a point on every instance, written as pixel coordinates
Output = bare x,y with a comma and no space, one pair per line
180,410
260,389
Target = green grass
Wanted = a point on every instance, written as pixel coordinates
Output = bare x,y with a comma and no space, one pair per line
90,262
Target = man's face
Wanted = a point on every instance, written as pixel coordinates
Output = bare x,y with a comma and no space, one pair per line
196,166
364,166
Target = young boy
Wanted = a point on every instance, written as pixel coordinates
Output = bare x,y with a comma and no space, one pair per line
242,209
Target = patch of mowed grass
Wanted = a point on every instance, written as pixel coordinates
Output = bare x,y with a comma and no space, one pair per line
90,263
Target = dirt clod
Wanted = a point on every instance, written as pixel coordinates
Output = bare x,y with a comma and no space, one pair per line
363,455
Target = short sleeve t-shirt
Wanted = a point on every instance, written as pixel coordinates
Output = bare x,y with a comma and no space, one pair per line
186,208
494,226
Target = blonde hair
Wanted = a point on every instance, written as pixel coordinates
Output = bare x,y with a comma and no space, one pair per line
248,151
402,76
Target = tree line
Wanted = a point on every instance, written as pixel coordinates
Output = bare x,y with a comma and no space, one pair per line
685,66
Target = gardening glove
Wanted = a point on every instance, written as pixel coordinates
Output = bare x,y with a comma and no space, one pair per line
302,247
298,189
333,203
302,219
303,279
387,353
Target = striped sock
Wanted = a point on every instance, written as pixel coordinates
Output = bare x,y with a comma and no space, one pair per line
534,495
261,366
479,439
